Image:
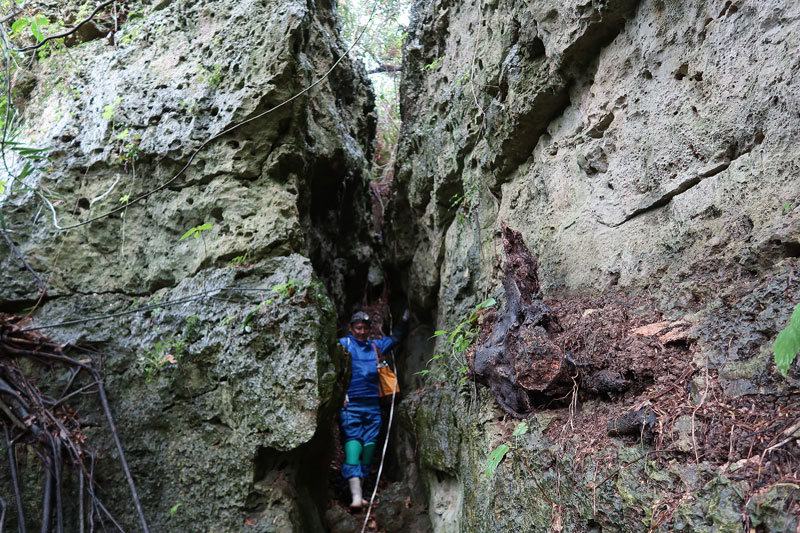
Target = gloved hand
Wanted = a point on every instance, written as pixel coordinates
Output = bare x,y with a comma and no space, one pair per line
406,315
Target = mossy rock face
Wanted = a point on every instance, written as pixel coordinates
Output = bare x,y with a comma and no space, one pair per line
224,390
141,109
541,484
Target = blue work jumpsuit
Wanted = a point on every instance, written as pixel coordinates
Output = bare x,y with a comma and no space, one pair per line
360,419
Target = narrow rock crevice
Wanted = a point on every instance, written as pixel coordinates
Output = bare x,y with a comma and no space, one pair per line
733,152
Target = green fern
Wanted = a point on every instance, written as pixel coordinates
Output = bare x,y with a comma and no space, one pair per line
787,343
460,339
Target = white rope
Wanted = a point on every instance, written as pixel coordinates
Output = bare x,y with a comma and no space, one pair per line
210,139
385,445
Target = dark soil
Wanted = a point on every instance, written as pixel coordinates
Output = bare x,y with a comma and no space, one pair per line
639,371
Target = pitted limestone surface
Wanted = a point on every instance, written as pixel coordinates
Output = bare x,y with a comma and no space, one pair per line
234,430
639,147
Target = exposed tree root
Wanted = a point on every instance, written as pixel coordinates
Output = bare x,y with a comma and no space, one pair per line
49,427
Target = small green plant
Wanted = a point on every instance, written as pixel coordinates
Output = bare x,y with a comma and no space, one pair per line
190,106
787,207
196,231
434,64
168,352
213,77
787,343
129,36
110,109
283,292
34,159
247,325
465,202
460,338
286,290
174,509
462,79
239,260
127,146
165,353
190,330
157,300
39,26
458,202
502,449
494,459
521,429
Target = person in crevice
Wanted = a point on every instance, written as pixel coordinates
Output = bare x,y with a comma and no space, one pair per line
360,418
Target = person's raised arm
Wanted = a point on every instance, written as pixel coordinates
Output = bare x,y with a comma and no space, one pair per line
399,333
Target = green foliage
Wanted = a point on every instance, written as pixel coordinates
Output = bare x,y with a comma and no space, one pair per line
247,325
190,330
286,290
787,343
196,231
381,49
124,141
213,77
32,159
239,260
434,64
494,459
787,207
110,109
387,104
382,42
501,450
127,148
190,106
467,201
165,353
283,293
521,429
39,27
460,338
168,352
174,509
38,24
129,36
462,79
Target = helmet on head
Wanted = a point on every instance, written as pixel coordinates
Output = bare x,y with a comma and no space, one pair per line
360,316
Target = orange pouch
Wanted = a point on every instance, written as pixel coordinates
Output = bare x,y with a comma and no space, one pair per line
387,381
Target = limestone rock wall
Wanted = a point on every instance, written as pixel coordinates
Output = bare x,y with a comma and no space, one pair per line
641,146
234,428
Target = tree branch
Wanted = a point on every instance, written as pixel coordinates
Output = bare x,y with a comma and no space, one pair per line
386,68
64,34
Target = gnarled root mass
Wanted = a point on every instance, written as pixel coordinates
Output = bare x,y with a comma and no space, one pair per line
48,426
518,360
536,352
640,373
